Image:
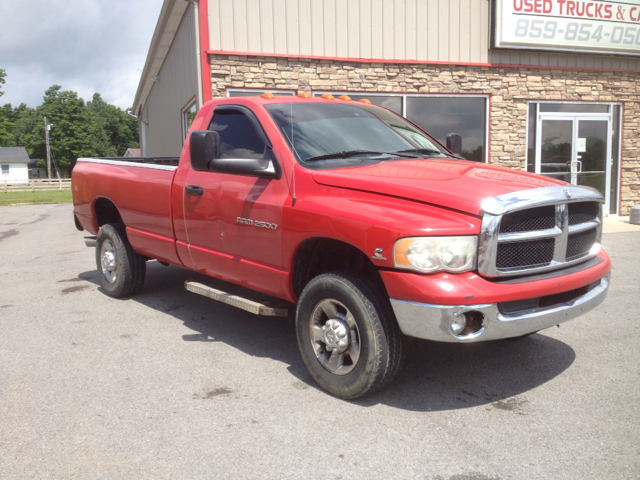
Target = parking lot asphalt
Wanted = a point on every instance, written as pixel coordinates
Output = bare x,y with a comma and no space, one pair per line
170,384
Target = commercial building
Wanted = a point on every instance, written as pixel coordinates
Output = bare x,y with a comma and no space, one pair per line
547,86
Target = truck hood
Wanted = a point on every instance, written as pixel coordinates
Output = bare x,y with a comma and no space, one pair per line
457,184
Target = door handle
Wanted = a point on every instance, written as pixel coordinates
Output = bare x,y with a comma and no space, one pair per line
194,190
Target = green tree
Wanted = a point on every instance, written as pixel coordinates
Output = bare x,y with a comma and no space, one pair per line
73,130
3,74
79,129
116,132
6,126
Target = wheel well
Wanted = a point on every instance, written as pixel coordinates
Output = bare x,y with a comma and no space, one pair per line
106,212
322,255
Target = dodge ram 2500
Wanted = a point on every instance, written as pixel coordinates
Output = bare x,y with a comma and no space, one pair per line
366,222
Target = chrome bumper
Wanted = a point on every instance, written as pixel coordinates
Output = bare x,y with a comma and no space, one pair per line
433,322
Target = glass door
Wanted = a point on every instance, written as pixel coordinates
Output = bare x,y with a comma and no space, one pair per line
575,149
592,151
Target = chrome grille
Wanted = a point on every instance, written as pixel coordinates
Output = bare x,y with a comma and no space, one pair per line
580,244
538,253
539,218
583,212
538,230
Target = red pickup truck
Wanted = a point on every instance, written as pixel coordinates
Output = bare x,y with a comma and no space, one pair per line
372,227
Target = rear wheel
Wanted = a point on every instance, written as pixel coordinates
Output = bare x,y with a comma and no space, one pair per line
347,334
122,269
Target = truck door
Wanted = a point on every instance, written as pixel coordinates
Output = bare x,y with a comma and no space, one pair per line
234,222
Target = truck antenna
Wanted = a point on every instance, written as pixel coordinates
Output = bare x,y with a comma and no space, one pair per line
293,176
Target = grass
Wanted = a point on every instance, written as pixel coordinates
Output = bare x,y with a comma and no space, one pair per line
35,198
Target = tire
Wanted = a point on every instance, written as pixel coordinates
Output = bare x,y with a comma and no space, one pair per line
122,270
348,335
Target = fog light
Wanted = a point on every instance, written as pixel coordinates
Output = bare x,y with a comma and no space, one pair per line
458,324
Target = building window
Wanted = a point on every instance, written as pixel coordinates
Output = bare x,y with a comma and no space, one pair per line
188,115
5,170
440,115
250,92
578,143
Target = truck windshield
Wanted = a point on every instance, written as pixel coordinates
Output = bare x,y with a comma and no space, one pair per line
330,134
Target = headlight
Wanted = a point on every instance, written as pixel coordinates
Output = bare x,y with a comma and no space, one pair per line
434,254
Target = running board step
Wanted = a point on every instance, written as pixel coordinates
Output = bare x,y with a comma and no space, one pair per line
268,308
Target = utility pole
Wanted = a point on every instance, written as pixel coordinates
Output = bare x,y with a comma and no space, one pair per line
47,127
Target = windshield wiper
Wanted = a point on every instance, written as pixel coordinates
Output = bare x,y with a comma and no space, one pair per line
427,151
353,153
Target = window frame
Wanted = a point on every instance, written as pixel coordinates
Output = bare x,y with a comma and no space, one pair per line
184,121
487,130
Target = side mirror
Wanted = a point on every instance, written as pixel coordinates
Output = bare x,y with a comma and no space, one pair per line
203,147
454,143
252,167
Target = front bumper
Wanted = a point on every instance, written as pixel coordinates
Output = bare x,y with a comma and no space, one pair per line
433,322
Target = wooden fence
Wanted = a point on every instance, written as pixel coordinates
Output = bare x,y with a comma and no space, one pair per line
40,185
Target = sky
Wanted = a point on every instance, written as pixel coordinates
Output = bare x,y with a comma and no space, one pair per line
86,46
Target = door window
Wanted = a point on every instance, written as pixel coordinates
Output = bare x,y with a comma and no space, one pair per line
238,136
591,170
556,149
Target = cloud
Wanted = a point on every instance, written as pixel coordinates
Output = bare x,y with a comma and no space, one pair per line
86,46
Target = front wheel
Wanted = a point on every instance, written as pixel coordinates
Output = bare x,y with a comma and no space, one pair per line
122,269
347,334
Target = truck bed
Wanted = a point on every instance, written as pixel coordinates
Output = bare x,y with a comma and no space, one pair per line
140,189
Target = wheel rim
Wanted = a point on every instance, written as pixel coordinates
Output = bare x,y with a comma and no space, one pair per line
335,337
109,261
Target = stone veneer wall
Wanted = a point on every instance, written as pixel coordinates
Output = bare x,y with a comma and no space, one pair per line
508,88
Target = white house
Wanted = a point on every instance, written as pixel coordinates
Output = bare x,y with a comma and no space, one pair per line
13,165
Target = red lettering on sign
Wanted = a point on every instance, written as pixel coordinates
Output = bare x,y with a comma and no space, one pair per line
517,5
571,8
561,3
538,6
578,5
607,11
528,7
598,10
548,6
590,15
631,14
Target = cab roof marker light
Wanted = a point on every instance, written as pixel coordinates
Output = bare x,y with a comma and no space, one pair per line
304,95
346,98
268,95
365,100
327,96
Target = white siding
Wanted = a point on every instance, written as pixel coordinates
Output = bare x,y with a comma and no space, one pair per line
423,30
177,84
18,173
